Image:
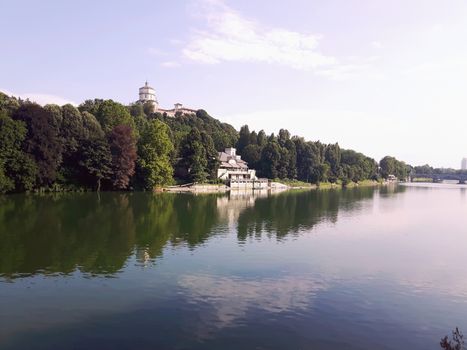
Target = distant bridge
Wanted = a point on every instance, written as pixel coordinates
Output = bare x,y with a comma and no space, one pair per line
461,178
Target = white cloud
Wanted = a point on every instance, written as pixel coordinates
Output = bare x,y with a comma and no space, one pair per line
377,45
42,99
170,64
230,37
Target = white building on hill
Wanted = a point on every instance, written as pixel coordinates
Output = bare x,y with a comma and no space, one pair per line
464,164
148,94
234,170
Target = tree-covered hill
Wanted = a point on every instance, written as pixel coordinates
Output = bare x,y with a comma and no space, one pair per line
104,145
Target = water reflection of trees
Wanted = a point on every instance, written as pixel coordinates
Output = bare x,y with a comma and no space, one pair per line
178,219
58,233
288,213
97,234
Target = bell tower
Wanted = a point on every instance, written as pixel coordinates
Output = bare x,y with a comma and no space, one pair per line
148,94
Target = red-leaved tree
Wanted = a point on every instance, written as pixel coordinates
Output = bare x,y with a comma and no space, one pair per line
123,149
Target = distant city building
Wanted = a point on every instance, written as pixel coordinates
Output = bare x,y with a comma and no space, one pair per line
464,164
148,94
234,171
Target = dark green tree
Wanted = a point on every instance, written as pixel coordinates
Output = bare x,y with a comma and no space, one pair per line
43,142
332,156
423,169
262,139
194,157
291,159
252,155
212,156
243,139
17,170
270,157
283,136
96,161
308,161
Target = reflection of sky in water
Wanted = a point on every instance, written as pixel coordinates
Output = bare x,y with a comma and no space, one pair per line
232,297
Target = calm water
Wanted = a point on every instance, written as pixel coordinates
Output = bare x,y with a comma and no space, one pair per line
353,269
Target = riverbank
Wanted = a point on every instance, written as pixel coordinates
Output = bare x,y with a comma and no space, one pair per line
206,188
276,185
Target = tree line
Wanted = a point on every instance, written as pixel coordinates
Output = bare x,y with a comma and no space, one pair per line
104,145
286,157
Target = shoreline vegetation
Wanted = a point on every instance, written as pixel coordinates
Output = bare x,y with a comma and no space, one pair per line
103,145
286,185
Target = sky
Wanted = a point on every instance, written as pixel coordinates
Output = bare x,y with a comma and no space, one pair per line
383,77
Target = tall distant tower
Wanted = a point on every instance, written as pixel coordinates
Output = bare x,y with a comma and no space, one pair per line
148,94
464,164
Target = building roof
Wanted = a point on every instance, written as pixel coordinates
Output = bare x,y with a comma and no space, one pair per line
228,161
146,86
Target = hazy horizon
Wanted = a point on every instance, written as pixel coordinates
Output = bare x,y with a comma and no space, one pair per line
381,78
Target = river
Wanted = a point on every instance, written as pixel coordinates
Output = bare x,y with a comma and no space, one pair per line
363,268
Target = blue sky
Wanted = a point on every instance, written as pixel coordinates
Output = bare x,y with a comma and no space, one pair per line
381,77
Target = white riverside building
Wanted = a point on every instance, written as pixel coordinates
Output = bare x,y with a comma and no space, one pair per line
234,171
464,164
148,94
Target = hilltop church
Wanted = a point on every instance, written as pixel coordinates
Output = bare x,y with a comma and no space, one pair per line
147,94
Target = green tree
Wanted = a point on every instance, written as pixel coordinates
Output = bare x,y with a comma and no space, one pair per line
243,139
291,159
154,149
308,160
270,157
17,170
149,108
212,156
387,166
283,137
73,133
253,138
91,106
252,155
96,161
111,114
43,142
72,129
423,169
262,139
356,166
91,127
56,117
391,166
136,110
8,104
194,157
332,155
